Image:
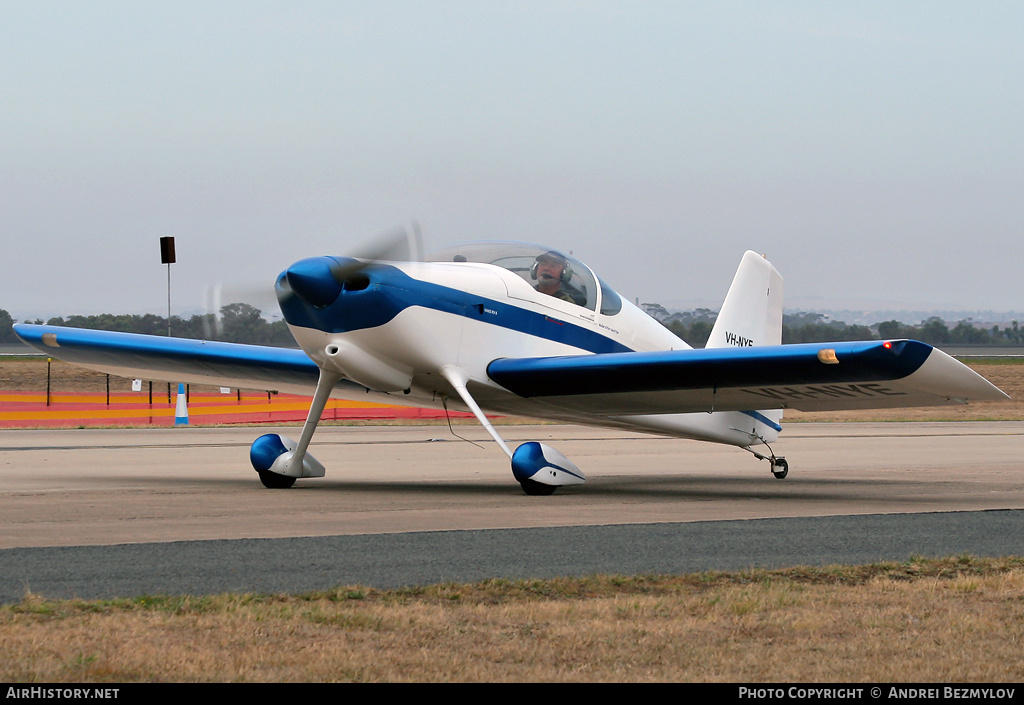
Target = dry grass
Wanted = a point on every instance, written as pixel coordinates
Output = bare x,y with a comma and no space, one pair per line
28,374
959,619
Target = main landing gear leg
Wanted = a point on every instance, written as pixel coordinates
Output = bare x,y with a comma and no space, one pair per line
539,468
457,378
278,459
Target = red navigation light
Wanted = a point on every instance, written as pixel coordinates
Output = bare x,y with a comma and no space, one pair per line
887,345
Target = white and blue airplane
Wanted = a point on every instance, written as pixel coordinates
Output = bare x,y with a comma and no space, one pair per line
518,329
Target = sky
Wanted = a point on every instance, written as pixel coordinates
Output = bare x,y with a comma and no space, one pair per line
874,151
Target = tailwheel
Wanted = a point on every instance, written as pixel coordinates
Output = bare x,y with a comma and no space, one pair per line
537,489
780,468
275,481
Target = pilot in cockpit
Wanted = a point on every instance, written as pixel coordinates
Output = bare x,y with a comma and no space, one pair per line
552,271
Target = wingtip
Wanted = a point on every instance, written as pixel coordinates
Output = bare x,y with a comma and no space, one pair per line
960,380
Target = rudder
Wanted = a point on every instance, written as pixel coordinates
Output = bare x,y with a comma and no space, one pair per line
752,311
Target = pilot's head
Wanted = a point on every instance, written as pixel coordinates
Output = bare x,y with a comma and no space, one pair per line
550,264
550,270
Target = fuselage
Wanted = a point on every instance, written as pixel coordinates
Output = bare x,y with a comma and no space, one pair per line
391,327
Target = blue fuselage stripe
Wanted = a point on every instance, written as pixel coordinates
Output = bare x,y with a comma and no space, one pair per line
391,291
757,416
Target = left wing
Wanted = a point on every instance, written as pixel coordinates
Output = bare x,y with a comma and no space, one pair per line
808,377
176,359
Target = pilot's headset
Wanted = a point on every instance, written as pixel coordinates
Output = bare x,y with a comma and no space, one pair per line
551,254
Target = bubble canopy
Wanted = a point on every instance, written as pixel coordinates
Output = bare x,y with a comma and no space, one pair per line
578,283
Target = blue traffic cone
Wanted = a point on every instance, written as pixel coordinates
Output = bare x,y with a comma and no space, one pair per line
181,408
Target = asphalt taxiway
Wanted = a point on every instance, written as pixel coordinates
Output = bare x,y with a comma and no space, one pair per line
96,513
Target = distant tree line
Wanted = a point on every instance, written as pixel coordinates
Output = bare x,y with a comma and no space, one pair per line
6,328
692,326
242,323
695,327
237,323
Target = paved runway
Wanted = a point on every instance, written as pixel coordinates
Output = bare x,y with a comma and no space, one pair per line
96,513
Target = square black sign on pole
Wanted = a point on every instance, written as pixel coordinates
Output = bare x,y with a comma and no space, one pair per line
167,257
167,250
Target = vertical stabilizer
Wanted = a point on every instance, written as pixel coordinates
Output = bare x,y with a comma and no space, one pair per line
752,312
752,315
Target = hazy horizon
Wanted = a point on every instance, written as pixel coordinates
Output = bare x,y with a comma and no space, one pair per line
870,149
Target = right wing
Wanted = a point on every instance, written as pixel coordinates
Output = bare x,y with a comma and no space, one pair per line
868,374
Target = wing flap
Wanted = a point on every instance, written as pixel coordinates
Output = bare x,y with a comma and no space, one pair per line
176,359
808,377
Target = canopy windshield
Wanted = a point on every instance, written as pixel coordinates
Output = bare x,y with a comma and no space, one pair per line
546,270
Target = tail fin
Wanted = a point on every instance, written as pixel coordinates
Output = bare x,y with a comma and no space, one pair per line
752,312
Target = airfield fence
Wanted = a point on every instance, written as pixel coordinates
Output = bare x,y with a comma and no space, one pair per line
44,393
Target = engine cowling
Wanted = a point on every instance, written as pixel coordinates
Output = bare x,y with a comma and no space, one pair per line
367,369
